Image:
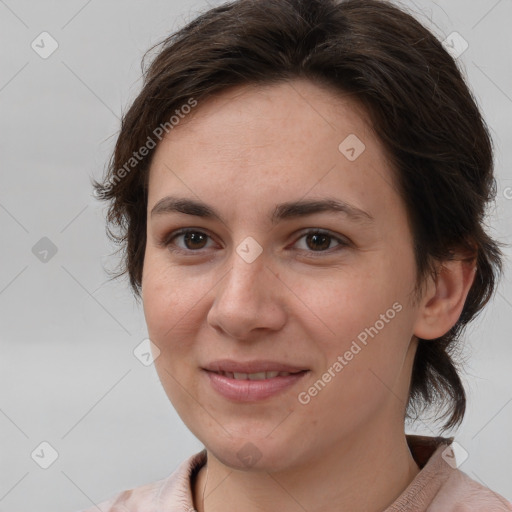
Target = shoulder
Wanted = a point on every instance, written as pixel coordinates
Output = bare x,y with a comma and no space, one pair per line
460,493
144,497
441,486
175,490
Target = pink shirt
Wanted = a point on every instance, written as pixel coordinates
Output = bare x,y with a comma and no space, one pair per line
438,487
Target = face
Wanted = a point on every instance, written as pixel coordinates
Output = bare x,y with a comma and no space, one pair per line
322,293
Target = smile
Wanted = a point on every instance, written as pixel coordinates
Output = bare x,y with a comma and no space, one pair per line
251,387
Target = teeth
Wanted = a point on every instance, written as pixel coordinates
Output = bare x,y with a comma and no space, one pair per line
269,375
259,376
255,376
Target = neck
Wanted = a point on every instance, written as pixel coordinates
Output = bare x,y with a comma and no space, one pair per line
366,474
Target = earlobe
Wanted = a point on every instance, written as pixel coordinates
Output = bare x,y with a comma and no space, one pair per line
443,302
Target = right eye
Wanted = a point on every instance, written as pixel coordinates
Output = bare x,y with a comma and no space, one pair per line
193,240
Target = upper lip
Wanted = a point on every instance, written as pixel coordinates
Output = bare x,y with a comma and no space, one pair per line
228,365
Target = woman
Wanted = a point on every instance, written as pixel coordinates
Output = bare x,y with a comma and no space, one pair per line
301,189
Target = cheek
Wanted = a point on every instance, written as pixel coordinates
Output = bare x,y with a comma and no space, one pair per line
351,301
169,310
359,380
168,303
369,326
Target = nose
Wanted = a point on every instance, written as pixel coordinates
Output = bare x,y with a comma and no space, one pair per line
248,299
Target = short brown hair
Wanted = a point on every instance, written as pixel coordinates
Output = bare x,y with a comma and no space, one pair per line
418,102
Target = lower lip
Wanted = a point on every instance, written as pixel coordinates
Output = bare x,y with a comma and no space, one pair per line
251,390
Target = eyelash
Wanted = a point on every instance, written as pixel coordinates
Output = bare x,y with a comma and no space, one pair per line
167,241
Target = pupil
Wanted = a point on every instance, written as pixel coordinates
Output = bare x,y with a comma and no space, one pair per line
193,237
324,237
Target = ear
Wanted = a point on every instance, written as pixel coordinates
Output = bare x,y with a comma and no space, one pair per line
444,298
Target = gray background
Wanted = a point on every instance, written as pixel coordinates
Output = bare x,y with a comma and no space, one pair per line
68,375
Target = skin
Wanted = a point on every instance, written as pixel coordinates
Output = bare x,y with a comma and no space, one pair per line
242,152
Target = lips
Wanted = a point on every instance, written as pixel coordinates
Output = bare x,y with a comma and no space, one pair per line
252,386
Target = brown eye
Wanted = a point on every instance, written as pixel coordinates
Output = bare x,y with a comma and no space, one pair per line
320,241
194,240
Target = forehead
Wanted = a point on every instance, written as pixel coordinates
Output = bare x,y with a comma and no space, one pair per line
266,144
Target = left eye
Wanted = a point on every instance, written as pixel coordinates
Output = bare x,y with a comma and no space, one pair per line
322,240
195,240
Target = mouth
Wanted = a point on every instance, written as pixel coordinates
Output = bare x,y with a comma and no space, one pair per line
257,375
252,381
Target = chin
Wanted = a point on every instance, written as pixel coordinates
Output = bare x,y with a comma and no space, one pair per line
246,454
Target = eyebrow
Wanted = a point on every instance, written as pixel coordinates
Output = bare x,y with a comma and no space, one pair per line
283,211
